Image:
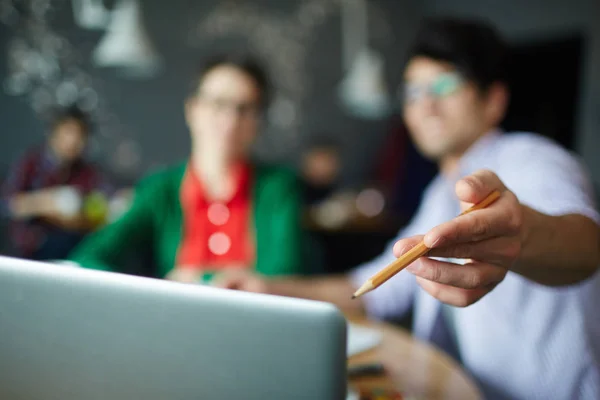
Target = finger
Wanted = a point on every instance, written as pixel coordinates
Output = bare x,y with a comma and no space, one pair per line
477,186
502,218
451,295
404,245
473,275
498,251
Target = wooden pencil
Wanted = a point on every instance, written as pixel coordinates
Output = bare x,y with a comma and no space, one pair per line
413,254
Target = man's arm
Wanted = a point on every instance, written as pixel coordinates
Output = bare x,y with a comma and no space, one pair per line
26,205
336,289
393,299
507,236
44,204
558,250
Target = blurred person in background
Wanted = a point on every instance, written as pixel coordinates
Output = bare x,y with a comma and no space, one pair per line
219,209
511,291
44,192
320,168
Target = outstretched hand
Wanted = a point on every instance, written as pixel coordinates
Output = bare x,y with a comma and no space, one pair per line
489,239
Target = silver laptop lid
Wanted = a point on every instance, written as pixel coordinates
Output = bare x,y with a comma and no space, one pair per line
75,334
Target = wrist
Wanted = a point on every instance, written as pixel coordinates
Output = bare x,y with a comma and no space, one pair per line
529,229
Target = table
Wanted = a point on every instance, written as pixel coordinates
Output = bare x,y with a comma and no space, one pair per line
413,367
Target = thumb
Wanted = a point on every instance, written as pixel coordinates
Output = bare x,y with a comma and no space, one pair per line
475,187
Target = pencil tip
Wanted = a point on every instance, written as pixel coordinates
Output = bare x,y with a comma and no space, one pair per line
353,296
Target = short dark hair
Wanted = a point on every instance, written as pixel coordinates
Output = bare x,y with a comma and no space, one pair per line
72,113
475,48
245,63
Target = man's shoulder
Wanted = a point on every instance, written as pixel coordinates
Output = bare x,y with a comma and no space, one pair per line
525,142
515,150
30,156
523,158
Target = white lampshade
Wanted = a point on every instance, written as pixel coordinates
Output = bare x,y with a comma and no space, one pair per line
126,44
363,91
90,14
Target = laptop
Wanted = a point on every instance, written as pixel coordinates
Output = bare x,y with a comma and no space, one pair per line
76,334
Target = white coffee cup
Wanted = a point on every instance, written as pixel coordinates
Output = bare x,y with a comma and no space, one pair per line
68,201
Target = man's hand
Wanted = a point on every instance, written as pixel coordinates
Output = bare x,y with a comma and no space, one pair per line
489,239
241,279
336,289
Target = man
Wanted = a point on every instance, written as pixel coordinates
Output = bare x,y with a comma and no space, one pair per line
43,192
518,313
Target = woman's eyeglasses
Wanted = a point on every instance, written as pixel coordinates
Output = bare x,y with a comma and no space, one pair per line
220,104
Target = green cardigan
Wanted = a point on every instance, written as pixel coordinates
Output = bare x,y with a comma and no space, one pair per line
155,220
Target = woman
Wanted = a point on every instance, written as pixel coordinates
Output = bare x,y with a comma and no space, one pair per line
218,210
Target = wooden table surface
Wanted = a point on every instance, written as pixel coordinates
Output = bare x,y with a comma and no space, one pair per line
414,368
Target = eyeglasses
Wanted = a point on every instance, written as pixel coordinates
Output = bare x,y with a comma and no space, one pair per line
221,104
444,85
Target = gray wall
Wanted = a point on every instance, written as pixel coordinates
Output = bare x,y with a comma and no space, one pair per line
150,111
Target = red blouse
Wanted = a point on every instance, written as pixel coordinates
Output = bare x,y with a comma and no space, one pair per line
216,234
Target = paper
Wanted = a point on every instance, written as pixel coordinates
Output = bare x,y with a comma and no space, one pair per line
361,339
